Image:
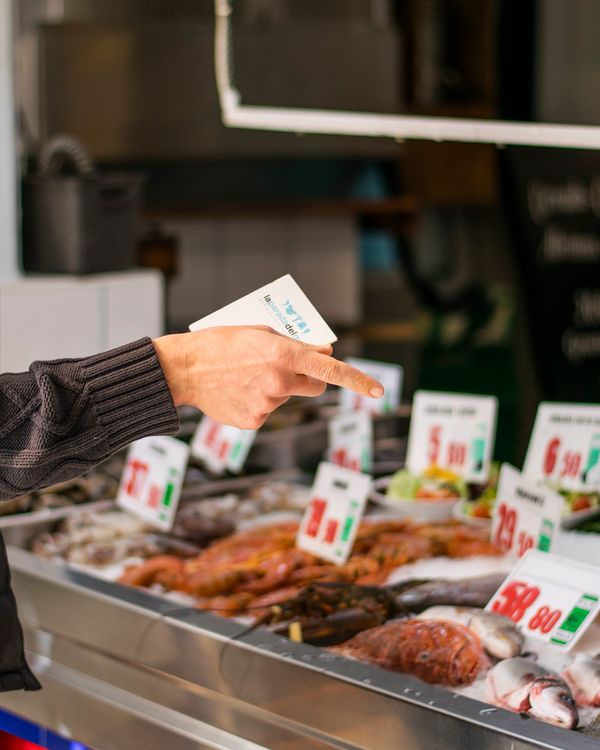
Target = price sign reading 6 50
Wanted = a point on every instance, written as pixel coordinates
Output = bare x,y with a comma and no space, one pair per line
550,598
564,450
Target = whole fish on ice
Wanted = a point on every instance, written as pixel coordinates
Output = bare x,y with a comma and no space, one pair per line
583,678
524,686
499,636
465,592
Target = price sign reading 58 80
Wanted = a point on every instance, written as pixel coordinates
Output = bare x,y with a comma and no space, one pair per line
564,449
550,598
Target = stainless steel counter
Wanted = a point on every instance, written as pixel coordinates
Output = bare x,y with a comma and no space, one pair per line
124,669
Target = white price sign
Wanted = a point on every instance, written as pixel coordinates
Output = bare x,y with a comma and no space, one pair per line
551,598
152,479
526,516
331,519
389,375
452,431
220,446
564,449
351,441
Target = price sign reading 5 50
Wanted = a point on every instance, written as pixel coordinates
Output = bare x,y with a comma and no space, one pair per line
452,431
455,451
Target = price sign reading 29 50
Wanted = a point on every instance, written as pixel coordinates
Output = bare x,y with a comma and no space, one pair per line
526,515
504,535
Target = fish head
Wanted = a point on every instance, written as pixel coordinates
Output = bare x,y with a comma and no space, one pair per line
583,678
551,701
499,636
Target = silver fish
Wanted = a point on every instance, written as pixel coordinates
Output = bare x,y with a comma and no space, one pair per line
521,685
583,677
499,636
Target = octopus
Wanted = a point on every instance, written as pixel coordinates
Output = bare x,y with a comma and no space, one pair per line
438,652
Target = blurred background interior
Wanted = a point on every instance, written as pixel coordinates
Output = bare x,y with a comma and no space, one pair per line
474,267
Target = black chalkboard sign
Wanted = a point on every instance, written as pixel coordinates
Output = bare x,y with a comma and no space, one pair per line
552,199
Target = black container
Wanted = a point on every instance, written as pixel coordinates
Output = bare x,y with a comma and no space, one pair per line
80,224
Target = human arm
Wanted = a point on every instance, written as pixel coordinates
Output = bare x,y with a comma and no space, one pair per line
64,416
238,374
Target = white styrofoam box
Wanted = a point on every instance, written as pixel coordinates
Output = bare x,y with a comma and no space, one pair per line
134,306
222,260
52,317
47,319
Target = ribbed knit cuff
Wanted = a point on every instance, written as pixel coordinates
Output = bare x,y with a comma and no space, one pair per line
130,393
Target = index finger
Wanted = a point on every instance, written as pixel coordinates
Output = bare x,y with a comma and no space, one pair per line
330,370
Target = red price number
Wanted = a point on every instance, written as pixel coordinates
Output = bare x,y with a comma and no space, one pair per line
515,599
435,439
551,455
138,471
341,457
457,454
318,506
524,542
212,433
571,463
507,524
545,620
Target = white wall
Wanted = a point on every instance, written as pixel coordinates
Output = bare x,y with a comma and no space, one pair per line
8,179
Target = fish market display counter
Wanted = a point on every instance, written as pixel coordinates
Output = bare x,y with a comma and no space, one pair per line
124,669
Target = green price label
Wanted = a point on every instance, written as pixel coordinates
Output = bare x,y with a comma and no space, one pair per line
574,620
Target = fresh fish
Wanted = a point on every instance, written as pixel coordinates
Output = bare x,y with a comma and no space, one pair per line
583,677
499,636
467,592
524,686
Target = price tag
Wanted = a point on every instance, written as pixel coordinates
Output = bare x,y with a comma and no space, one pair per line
351,441
551,598
564,449
452,431
390,376
220,446
330,522
152,480
526,516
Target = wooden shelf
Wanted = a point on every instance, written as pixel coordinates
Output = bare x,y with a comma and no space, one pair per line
398,207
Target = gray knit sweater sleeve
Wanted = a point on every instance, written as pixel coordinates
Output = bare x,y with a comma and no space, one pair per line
63,417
